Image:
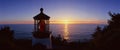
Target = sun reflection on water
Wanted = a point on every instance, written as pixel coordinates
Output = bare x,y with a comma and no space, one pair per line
66,32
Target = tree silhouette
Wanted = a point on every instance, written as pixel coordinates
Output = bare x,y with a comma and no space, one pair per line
6,38
109,37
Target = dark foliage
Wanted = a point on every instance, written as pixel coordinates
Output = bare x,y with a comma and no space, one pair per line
109,37
6,38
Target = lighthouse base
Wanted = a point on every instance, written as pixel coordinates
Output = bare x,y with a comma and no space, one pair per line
44,41
38,34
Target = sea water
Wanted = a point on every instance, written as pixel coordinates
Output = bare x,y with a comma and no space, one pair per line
72,32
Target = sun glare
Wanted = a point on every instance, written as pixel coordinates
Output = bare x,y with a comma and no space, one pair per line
66,21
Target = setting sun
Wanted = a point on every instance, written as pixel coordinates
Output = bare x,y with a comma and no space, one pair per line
62,22
66,21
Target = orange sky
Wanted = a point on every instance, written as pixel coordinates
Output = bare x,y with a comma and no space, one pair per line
55,22
78,22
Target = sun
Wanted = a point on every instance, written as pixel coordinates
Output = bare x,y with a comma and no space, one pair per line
62,22
66,21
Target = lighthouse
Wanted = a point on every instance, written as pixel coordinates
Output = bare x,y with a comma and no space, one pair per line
41,33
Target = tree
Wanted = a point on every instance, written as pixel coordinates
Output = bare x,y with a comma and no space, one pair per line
109,37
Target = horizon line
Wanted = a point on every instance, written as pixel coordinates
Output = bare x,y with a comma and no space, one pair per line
55,22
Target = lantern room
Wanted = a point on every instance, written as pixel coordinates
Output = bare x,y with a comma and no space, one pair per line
41,22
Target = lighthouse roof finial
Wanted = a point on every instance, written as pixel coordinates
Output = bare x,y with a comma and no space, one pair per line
41,9
41,15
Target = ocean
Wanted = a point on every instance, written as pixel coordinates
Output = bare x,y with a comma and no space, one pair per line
72,32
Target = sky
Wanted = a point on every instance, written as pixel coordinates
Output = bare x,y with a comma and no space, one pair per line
60,11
